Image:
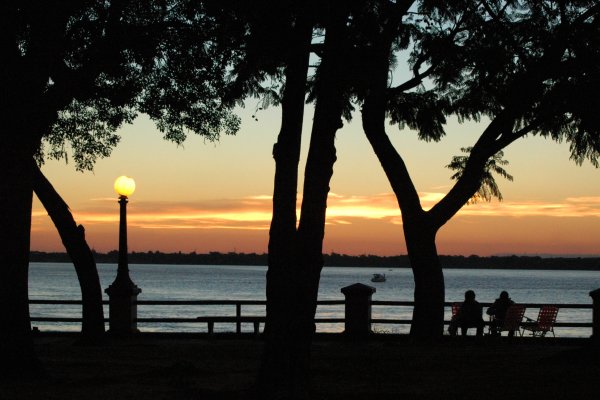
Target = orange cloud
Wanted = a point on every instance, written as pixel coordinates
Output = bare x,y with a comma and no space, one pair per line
569,207
254,213
356,225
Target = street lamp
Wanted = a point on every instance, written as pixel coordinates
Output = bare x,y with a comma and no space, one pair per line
124,186
123,292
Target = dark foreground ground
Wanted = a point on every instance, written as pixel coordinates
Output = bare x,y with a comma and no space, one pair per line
223,367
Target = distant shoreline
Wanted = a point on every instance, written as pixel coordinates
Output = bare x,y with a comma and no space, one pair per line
338,260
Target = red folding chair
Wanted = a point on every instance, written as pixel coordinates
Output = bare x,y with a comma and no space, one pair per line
512,320
545,322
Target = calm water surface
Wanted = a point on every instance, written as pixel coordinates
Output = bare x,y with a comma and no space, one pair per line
206,282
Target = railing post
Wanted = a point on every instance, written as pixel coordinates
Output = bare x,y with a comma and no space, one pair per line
238,314
595,294
358,309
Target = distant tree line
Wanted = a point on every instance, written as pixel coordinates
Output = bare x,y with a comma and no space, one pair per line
338,260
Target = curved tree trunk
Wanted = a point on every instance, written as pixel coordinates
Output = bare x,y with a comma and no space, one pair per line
419,226
73,238
428,315
17,355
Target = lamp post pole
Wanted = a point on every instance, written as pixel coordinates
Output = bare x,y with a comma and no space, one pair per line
123,266
122,293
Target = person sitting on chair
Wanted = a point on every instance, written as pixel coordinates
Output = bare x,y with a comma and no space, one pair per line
468,316
498,311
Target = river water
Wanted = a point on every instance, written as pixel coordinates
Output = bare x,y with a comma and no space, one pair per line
58,281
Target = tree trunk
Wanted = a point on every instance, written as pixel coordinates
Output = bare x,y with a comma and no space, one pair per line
275,371
17,355
73,238
295,257
428,314
319,168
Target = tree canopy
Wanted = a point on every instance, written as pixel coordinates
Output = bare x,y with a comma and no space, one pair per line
112,60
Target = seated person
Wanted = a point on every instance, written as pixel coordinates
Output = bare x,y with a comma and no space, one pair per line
468,316
498,311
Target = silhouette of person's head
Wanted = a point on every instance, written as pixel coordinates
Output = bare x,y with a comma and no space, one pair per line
469,295
504,295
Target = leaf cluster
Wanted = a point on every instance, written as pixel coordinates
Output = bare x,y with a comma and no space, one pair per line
487,186
535,60
185,88
88,127
89,59
90,66
422,111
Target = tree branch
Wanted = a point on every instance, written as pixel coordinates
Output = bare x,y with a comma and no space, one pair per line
373,118
411,83
468,184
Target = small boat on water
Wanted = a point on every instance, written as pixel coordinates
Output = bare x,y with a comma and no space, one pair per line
378,278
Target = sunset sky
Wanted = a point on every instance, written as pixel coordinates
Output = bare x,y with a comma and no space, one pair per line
217,196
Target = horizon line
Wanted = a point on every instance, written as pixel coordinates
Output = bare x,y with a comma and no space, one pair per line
540,255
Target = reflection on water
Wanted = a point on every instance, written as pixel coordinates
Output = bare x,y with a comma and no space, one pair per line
185,282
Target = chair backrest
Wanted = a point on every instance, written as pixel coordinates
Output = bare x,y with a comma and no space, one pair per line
513,317
547,317
455,308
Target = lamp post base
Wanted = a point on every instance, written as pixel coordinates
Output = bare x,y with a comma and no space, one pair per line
122,305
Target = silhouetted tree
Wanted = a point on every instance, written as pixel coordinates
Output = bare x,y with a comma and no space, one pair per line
275,375
330,93
270,43
72,73
531,67
295,252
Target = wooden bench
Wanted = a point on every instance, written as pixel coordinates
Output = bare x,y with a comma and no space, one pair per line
211,320
256,320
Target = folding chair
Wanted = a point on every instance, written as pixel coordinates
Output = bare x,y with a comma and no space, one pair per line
545,322
512,320
464,325
455,308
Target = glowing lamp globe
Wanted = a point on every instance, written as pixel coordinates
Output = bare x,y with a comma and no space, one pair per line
124,186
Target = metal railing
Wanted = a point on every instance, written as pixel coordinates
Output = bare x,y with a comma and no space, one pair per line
240,317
